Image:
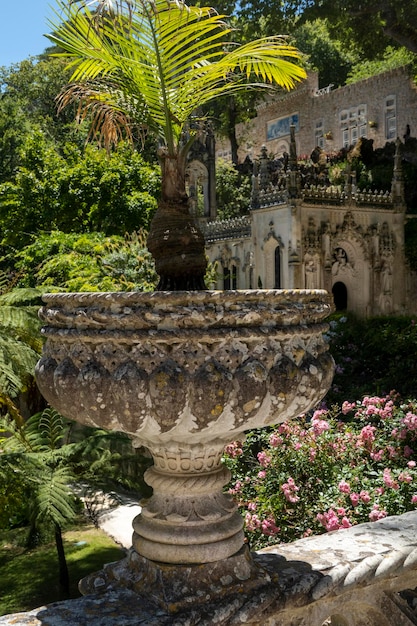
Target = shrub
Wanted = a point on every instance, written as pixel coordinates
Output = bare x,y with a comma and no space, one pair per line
373,356
335,468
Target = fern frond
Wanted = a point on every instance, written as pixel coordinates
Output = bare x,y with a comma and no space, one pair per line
54,502
51,425
22,296
17,363
4,282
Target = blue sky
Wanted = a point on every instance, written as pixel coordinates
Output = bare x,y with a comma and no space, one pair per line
22,26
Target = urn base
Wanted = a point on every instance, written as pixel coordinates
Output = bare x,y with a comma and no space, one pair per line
175,587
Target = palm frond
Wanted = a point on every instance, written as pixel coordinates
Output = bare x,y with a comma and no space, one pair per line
169,56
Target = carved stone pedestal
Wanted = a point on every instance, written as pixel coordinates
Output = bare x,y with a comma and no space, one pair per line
189,505
175,588
185,373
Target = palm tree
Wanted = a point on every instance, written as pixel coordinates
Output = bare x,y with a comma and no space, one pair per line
153,63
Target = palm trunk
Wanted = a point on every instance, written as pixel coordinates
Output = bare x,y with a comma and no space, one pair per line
175,241
63,567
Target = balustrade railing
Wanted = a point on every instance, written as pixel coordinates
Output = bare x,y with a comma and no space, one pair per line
360,576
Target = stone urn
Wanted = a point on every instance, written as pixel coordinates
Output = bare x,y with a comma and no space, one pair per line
184,374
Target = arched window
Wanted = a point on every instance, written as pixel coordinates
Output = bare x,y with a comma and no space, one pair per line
233,276
230,277
277,282
226,278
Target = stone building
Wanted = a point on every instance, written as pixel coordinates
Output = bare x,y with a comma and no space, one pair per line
380,108
303,232
298,235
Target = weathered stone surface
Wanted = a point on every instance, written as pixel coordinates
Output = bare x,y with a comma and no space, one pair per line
185,373
300,584
172,366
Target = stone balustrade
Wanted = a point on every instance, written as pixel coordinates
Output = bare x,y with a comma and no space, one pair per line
227,229
327,195
360,576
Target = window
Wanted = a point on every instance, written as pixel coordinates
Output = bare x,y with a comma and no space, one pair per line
226,278
362,130
319,134
277,263
230,277
390,117
353,124
362,113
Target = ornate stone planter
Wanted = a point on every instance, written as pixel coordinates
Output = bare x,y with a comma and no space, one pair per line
185,373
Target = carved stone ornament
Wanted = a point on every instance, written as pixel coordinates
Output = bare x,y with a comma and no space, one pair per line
185,373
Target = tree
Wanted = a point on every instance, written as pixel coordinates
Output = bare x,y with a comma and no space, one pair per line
233,190
27,94
370,25
391,58
325,54
155,64
34,449
72,189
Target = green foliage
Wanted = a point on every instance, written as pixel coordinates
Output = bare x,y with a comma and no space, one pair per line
27,102
391,59
367,27
325,54
233,191
20,342
45,454
86,262
33,449
373,356
80,190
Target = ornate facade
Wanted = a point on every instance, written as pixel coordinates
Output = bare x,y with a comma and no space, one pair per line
300,235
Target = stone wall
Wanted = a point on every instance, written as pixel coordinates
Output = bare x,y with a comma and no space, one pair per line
378,108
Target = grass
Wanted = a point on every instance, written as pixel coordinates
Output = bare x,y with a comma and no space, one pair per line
29,578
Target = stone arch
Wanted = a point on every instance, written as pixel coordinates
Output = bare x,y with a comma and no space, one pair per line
340,296
350,267
273,262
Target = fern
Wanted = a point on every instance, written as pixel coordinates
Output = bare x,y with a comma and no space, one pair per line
54,502
20,339
4,281
17,363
